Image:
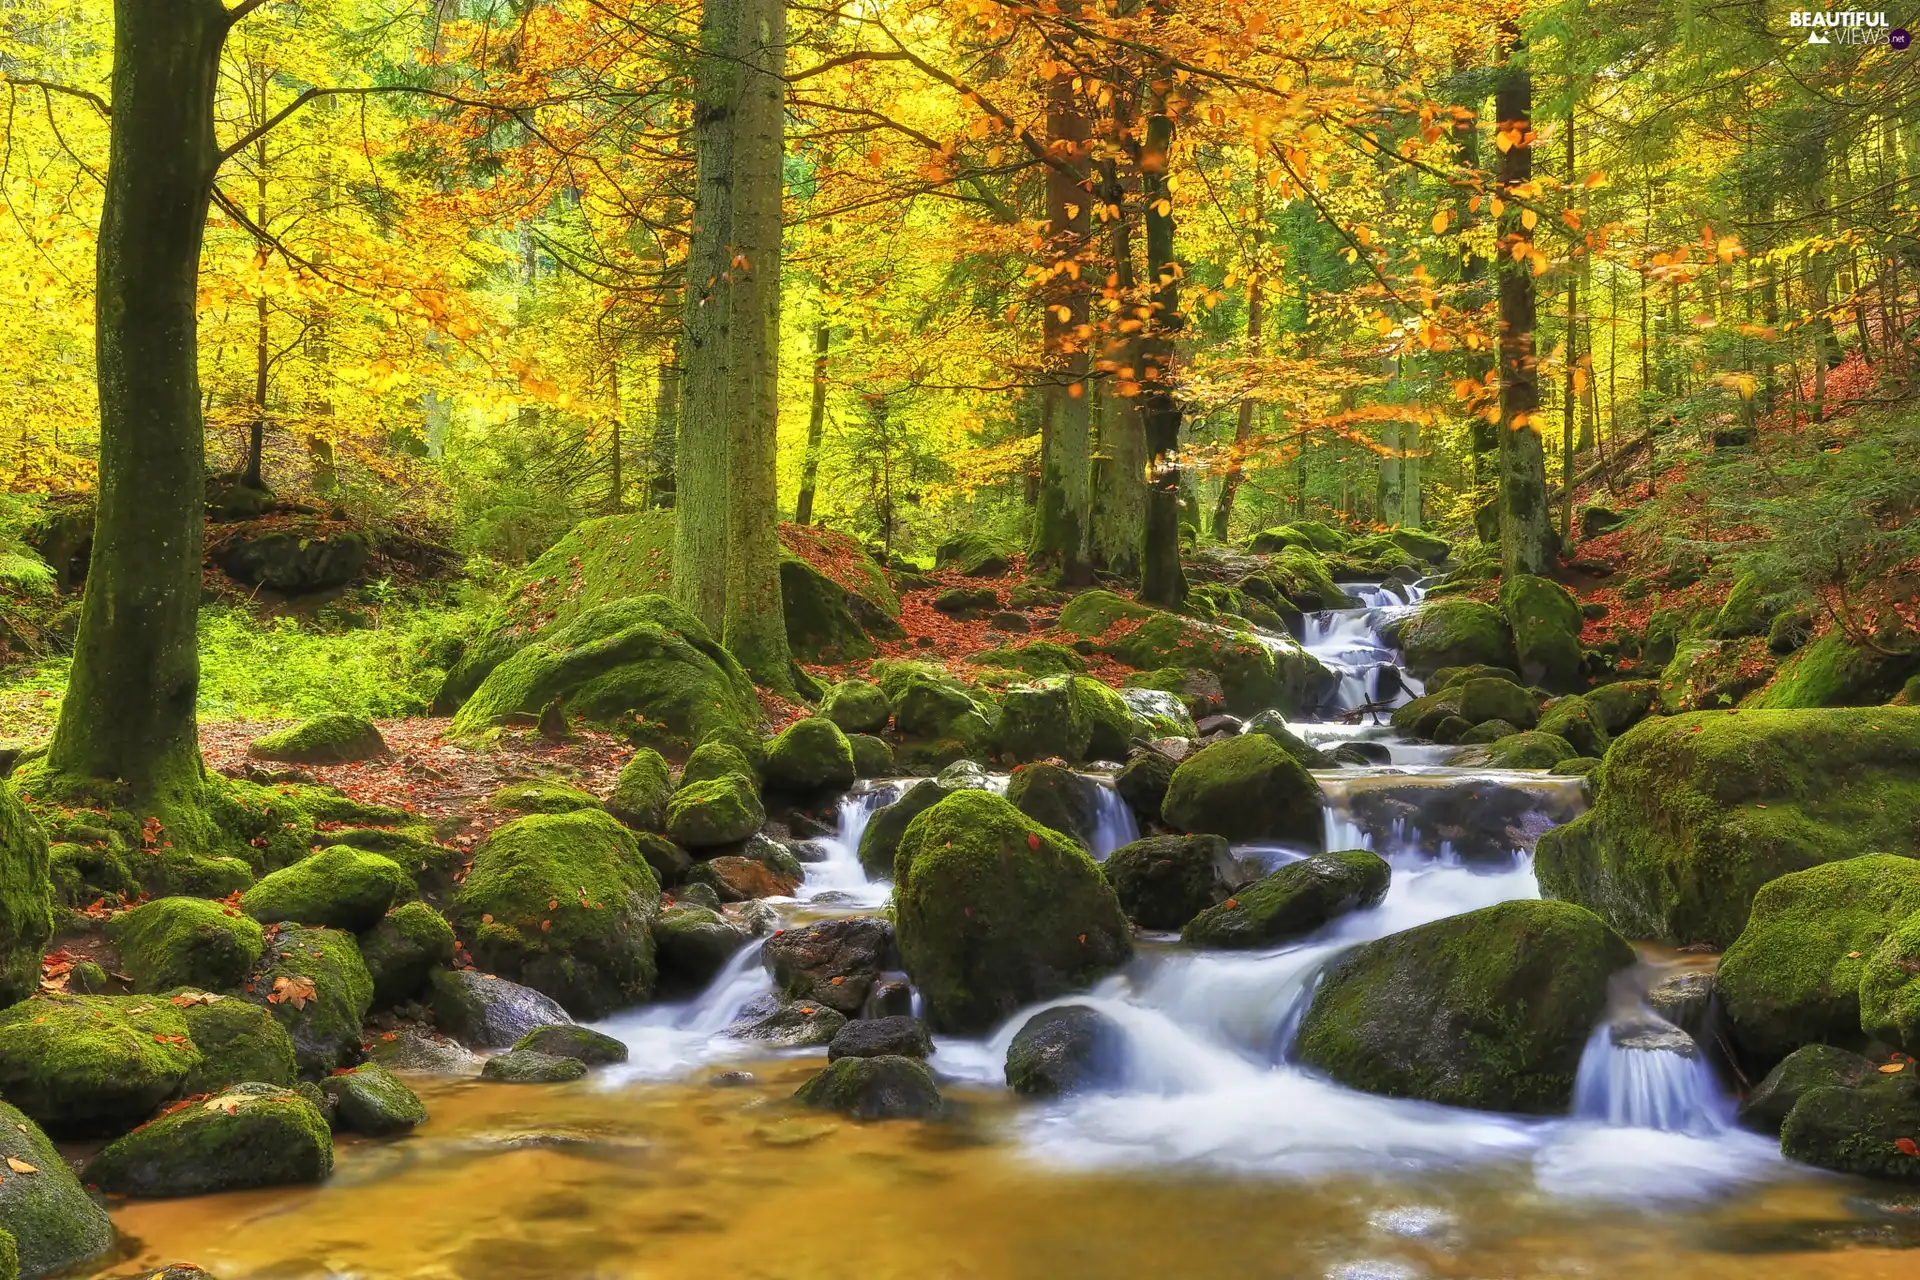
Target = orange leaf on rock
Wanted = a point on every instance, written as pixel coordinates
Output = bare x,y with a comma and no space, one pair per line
1033,840
18,1165
1906,1146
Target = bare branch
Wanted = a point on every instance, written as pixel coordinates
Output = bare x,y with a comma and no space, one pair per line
99,103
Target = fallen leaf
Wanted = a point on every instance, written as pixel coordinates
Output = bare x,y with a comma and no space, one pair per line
294,991
1906,1146
1033,840
1853,955
18,1165
1892,1068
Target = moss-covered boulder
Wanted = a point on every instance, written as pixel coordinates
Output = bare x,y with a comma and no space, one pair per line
53,1222
1710,675
993,912
1545,620
857,706
185,942
1793,975
1294,901
402,951
90,1066
641,792
642,667
333,738
1246,789
1573,719
1164,881
1057,797
1814,1066
26,899
1534,749
1864,1131
528,1066
889,1087
1452,632
692,944
1143,783
563,903
872,757
881,838
1421,545
1833,671
1491,698
487,1011
1623,704
1073,717
1693,813
1035,658
372,1101
719,811
238,1041
316,986
541,795
252,1135
1490,1009
975,554
808,757
589,1046
337,888
716,759
1890,988
1158,714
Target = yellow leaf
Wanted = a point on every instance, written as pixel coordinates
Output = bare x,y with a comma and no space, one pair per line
1440,221
1891,1068
18,1165
1594,179
1496,206
1529,219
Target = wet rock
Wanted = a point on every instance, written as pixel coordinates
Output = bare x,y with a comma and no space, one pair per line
881,839
1275,726
1164,881
372,1101
1143,783
1858,1130
1292,902
54,1223
402,951
1684,999
832,962
525,1066
890,1000
963,775
905,1037
737,879
1481,821
594,1048
415,1050
488,1012
1069,1049
787,1024
883,1088
1814,1066
1362,753
315,985
1057,797
252,1135
693,944
1246,789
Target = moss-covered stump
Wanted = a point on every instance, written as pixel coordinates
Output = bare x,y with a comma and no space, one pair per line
1292,902
1814,1066
562,1041
1073,717
487,1011
252,1135
888,1087
1067,1049
402,951
1534,749
899,1036
1455,633
994,912
337,888
238,1041
186,942
881,839
1867,1130
333,738
541,795
641,792
719,811
372,1101
316,986
1694,813
90,1066
54,1223
831,962
872,757
1490,1009
809,757
1890,988
1164,881
691,945
26,899
642,667
563,903
528,1066
1246,789
1545,620
1793,975
1057,797
857,706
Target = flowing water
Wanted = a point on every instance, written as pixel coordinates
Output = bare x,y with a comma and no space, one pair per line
1214,1156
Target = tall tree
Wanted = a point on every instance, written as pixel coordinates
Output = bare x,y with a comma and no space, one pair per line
816,423
1162,580
1061,532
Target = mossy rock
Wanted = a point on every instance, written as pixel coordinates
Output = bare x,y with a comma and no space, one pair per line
1814,1066
1421,545
641,792
238,1041
693,943
809,757
824,619
881,839
888,1087
975,554
563,903
525,1066
326,995
92,1066
1533,749
748,742
712,760
1890,988
1793,975
932,708
541,796
1073,717
333,738
1490,1009
1485,699
1487,731
185,942
1546,622
994,912
1164,881
52,1221
1455,633
1035,658
872,757
1246,789
1857,1131
337,888
1578,767
1155,713
1622,705
1575,720
1694,813
1143,784
857,706
1709,675
26,899
1292,902
402,951
372,1101
719,811
1835,672
1058,798
589,1046
1421,716
1745,611
252,1135
487,1011
1448,677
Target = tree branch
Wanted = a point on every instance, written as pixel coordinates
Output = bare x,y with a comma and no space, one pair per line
99,103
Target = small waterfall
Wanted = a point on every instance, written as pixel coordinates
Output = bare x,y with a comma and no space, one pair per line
840,873
1643,1072
666,1040
1114,823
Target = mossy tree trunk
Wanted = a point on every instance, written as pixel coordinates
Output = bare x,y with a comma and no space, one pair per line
1162,581
816,423
1120,495
129,712
1060,529
1243,425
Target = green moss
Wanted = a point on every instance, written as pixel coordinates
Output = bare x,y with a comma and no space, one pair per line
1856,1131
881,839
694,944
1490,1009
1491,698
1890,988
872,757
563,903
90,1065
402,951
26,899
1545,620
1694,813
641,792
1057,798
238,1041
1419,717
1709,675
252,1135
1292,902
1155,713
1073,717
371,1100
324,1025
185,942
1246,789
1455,633
821,626
857,706
810,756
975,554
52,1222
720,811
594,1048
1035,658
541,796
1574,719
333,738
1622,705
525,1066
994,912
1421,545
1535,749
1834,672
1305,580
1164,881
337,888
888,1087
929,706
1745,611
1815,1066
712,760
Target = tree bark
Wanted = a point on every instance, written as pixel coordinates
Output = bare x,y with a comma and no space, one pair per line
816,423
1061,533
666,431
1120,494
1162,581
1242,427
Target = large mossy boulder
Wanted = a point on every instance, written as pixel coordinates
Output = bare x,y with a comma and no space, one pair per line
1292,902
1073,717
252,1135
1694,813
317,987
719,811
52,1220
186,942
312,555
1545,621
1453,632
641,792
1833,671
994,912
1534,749
809,757
402,951
857,706
1792,977
1623,704
1164,881
1814,1066
1491,698
1490,1009
717,759
563,903
26,899
333,738
93,1066
881,838
641,667
1246,789
1867,1131
238,1041
337,888
1575,721
1890,988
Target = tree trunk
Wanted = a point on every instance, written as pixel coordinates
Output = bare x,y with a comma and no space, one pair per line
1061,535
816,423
755,626
1476,364
666,432
1120,494
1242,427
129,711
1526,533
1161,580
617,483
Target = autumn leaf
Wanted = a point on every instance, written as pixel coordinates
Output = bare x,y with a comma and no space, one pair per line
294,991
1033,840
18,1165
1906,1146
1892,1068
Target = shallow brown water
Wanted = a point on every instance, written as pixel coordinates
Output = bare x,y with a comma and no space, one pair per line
581,1183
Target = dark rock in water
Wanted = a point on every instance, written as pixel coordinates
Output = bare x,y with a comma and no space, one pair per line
252,1135
488,1012
403,950
809,852
1481,820
1817,1066
883,1088
1292,902
371,1100
1684,999
878,1037
1068,1049
525,1066
594,1048
1058,798
881,839
890,1000
787,1024
1652,1034
325,1028
1218,724
414,1050
1362,752
730,1079
54,1222
1165,881
737,879
1858,1130
1274,725
693,943
833,962
1143,783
